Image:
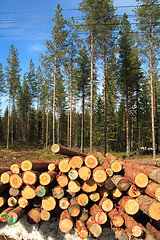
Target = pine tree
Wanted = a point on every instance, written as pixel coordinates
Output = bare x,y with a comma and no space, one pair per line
2,81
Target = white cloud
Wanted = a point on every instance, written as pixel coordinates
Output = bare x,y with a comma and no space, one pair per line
36,47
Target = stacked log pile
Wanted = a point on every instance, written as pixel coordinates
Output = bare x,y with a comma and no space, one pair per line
87,191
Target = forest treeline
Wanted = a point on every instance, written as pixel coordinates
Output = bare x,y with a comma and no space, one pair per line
97,84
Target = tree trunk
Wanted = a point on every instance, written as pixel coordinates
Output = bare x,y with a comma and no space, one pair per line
12,130
58,126
91,94
105,102
82,125
68,124
8,116
127,123
54,93
47,126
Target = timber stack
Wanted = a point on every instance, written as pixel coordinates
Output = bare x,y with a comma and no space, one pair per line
87,191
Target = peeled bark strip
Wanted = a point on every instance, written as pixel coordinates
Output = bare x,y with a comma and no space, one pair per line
47,177
82,231
82,199
58,192
48,203
98,214
64,203
64,165
153,190
136,177
106,204
95,196
74,186
4,214
58,149
83,215
133,191
153,231
116,218
34,216
16,180
94,227
131,206
76,162
12,201
99,175
45,215
149,206
84,173
62,180
121,183
30,177
73,174
89,186
28,192
74,208
65,222
14,192
91,161
22,202
14,215
27,165
41,190
5,177
15,168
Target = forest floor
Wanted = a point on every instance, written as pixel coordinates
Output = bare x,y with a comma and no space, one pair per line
7,158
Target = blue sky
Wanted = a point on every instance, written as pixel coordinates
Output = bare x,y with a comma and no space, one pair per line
15,19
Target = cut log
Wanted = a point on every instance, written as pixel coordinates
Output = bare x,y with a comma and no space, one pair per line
106,204
58,192
89,186
121,183
116,218
84,173
64,203
3,199
136,177
129,205
59,149
41,190
73,174
65,222
53,166
62,180
47,177
115,165
149,206
4,214
153,231
133,191
82,231
76,162
16,180
103,191
83,215
30,177
109,184
14,215
70,194
3,187
133,227
45,215
99,175
64,165
94,227
15,168
35,165
74,208
5,177
28,192
95,196
22,202
153,190
14,192
74,186
91,161
116,193
12,201
98,214
4,169
82,199
48,203
34,216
